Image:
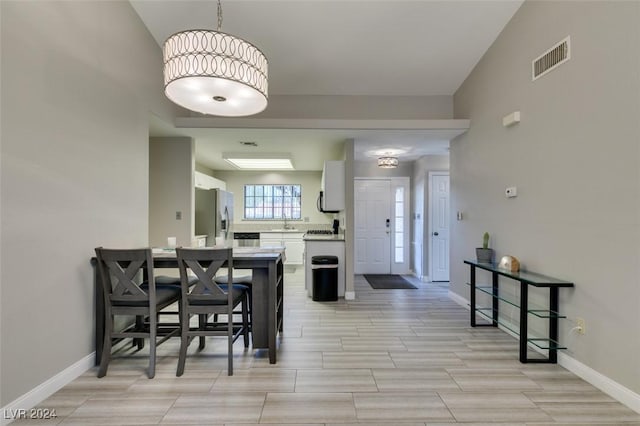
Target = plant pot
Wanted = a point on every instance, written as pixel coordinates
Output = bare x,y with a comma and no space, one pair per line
484,255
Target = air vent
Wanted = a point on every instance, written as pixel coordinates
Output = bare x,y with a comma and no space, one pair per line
551,59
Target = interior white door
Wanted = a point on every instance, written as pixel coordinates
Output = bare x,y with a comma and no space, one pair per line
372,227
439,202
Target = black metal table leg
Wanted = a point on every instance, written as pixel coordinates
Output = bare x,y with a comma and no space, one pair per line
472,295
553,324
524,303
496,301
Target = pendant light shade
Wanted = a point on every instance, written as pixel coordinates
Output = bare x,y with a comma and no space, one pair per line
215,73
388,162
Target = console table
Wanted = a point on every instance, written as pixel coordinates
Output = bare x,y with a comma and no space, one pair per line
525,279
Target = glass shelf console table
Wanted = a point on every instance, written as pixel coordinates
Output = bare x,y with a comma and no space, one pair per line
525,279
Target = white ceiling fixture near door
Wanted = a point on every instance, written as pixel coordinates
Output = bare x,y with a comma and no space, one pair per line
388,162
215,73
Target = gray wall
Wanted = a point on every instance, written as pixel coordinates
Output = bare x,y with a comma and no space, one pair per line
356,107
576,162
171,189
420,205
78,81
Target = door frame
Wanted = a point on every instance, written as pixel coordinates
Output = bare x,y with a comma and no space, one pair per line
429,257
403,268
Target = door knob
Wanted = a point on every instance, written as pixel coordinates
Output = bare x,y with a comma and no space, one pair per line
436,234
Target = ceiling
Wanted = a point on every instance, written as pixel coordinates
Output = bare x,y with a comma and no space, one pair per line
346,47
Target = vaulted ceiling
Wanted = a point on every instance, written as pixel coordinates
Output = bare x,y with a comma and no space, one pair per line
338,48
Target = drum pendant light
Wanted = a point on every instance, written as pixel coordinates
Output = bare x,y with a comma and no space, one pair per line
215,73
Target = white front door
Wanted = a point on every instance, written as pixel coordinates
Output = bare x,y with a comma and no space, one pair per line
372,227
439,205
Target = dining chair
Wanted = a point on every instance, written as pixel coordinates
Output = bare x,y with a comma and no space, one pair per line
244,280
129,288
207,299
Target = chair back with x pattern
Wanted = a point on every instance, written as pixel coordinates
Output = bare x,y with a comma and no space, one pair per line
204,263
121,276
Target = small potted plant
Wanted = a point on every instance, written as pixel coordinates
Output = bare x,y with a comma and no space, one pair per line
484,254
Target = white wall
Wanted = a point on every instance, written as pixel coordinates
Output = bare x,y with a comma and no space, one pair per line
310,181
575,159
78,82
171,189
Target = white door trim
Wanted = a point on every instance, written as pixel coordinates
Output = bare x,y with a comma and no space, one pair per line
430,220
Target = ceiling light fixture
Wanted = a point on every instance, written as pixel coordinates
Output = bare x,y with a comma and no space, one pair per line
388,162
215,73
259,161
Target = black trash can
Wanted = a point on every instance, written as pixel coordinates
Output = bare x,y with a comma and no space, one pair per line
325,278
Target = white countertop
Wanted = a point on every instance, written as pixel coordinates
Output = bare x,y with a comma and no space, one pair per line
323,237
280,231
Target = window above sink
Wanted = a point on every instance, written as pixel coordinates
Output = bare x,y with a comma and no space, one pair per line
273,202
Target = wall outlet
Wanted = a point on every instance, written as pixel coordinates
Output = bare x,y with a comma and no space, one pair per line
580,326
178,215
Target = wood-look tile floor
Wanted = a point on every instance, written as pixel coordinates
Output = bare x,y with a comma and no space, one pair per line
389,357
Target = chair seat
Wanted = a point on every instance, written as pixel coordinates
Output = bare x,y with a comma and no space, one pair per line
208,299
165,280
164,294
238,287
237,279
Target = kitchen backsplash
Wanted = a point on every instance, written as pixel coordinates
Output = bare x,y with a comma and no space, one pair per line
268,226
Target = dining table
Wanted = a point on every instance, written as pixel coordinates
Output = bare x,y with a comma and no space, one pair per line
267,266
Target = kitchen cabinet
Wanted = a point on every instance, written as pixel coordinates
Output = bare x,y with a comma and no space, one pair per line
291,241
204,181
332,186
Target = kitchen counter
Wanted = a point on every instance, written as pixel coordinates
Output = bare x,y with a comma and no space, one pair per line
323,237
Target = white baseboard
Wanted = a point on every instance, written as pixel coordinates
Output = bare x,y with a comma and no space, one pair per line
349,295
423,278
459,300
41,392
612,388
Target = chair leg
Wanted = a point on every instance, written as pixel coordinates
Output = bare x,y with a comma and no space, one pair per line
139,327
153,328
202,323
106,347
184,343
230,344
250,298
245,319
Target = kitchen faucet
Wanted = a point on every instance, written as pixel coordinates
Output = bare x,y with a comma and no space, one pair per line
286,225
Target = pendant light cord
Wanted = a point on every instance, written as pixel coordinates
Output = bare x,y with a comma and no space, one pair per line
219,15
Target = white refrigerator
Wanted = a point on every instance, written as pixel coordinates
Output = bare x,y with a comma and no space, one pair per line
214,215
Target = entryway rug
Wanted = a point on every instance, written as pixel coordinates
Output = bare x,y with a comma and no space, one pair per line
388,282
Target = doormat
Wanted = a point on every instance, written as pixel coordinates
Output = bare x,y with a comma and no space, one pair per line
388,282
